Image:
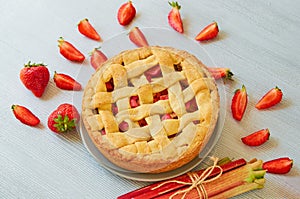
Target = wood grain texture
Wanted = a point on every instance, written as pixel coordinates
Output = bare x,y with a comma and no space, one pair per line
258,40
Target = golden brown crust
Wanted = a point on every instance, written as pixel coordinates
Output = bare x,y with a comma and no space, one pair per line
160,145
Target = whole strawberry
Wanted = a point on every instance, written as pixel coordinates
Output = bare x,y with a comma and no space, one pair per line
35,77
64,118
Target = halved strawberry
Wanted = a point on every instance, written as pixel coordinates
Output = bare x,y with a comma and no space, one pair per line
137,37
66,82
126,13
209,32
278,166
85,28
257,138
69,51
174,17
219,73
270,99
239,103
25,115
97,58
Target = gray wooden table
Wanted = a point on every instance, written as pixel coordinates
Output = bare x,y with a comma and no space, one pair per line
259,41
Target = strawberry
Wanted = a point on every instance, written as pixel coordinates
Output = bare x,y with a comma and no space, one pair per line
66,82
85,28
25,115
278,166
137,37
257,138
64,118
209,32
239,103
219,73
97,58
126,13
271,98
174,17
35,77
69,51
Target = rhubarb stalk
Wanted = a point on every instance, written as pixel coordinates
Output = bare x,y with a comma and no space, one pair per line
154,190
226,181
235,182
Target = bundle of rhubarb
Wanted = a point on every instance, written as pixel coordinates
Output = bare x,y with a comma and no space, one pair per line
218,181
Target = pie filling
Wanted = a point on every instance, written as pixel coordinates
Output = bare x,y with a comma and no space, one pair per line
153,72
110,85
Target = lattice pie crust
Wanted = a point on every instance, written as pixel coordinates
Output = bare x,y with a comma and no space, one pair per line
151,109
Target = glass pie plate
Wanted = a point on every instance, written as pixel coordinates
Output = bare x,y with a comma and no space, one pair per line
155,37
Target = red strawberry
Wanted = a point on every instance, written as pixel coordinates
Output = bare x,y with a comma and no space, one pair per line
219,73
25,115
174,17
137,37
271,98
257,138
66,82
126,13
209,32
239,103
85,28
64,118
97,58
278,166
69,51
35,77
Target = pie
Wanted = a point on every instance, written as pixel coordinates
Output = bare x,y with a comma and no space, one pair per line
151,109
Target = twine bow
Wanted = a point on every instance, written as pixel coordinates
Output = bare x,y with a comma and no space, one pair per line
196,181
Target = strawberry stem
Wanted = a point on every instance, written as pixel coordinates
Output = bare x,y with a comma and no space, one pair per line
175,4
29,64
229,75
64,124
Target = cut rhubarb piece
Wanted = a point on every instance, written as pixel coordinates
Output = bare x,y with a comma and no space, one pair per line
184,84
166,117
103,132
153,72
162,95
110,85
191,106
123,126
169,116
134,101
142,122
114,108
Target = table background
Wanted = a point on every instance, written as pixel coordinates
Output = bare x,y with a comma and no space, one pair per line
258,40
